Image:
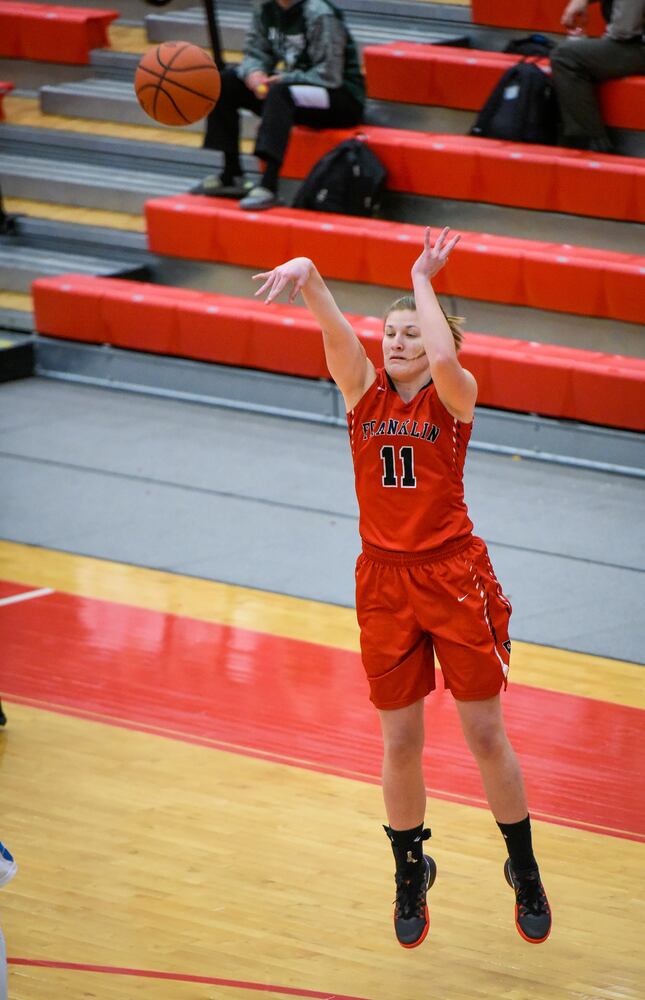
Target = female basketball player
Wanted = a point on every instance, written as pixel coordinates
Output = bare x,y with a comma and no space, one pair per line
424,582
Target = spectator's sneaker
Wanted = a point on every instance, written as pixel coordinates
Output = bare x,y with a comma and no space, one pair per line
258,199
532,911
411,917
215,188
8,866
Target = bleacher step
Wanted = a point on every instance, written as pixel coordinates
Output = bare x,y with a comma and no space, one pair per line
95,171
45,247
20,265
16,320
85,184
117,65
109,96
190,25
29,77
112,100
107,64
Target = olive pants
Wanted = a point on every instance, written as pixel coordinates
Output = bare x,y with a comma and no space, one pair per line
578,64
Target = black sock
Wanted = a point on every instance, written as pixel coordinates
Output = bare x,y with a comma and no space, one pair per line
407,845
519,845
270,175
232,168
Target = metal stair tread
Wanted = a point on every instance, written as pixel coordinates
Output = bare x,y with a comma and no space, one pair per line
112,99
26,257
112,88
52,169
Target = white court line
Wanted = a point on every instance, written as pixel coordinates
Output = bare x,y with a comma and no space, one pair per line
26,597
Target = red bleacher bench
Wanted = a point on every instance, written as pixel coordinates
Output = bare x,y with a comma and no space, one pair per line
5,88
411,73
179,321
531,15
516,271
511,374
622,102
52,33
490,170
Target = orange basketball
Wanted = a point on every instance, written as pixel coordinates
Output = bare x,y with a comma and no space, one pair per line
177,83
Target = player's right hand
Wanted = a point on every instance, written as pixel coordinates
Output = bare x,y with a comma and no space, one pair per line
574,15
295,272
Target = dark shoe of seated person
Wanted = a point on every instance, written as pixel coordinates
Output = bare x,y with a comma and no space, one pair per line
600,146
258,199
215,187
590,143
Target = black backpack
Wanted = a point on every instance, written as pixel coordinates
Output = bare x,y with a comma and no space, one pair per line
349,180
522,107
531,45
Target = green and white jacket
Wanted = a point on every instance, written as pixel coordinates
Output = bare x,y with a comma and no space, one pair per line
310,40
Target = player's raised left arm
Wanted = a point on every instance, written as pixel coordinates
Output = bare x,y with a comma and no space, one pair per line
456,387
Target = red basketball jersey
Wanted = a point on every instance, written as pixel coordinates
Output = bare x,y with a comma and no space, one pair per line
408,468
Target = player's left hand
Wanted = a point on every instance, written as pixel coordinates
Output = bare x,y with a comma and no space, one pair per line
433,258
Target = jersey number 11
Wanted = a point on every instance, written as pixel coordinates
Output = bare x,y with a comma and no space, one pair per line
390,478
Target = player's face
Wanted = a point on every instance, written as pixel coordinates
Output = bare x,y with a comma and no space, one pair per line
403,352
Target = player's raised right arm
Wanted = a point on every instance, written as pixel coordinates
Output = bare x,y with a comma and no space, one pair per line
348,364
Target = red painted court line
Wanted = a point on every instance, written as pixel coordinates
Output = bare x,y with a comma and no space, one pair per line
181,977
307,704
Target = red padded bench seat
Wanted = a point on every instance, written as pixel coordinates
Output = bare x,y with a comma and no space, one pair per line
489,170
411,73
532,15
512,374
493,268
51,33
5,87
178,321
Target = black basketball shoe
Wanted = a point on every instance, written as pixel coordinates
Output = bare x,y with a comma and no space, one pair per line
532,911
411,917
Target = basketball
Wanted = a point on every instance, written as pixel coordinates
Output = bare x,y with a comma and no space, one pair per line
177,83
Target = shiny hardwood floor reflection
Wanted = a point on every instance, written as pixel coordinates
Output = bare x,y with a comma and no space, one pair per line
155,863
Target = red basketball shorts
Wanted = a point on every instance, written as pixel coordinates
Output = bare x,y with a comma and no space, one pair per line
445,601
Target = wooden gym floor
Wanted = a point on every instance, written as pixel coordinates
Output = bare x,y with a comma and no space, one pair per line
190,787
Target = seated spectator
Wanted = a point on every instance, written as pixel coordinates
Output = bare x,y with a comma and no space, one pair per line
300,66
579,62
